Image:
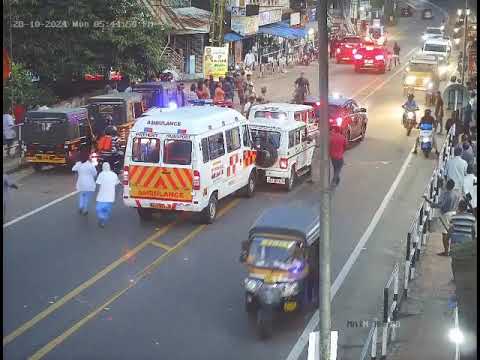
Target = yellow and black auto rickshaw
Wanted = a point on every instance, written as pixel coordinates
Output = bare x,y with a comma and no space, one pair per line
281,255
160,94
54,136
119,109
422,74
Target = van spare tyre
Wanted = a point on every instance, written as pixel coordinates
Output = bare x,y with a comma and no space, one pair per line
267,155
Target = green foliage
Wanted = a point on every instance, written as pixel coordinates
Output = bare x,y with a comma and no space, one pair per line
22,90
120,34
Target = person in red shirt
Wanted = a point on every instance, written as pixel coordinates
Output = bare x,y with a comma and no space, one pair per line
338,144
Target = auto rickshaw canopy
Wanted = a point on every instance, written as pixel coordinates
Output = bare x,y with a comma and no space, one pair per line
300,222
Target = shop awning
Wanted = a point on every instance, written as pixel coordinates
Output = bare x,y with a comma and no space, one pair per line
232,36
282,29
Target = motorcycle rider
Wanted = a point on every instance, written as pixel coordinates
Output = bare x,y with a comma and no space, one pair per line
302,88
427,119
409,105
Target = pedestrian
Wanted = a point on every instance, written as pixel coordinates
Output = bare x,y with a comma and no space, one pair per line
250,91
250,60
262,99
212,86
470,189
467,118
462,225
249,83
7,185
240,86
227,87
191,94
107,180
396,54
447,202
219,93
467,150
473,102
456,169
130,86
85,181
338,144
249,104
439,111
9,133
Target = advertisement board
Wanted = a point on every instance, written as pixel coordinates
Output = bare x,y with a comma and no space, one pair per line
215,61
244,25
270,17
295,19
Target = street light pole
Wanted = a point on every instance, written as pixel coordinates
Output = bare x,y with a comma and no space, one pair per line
324,138
465,32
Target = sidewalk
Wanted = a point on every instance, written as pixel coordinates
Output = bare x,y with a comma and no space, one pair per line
12,164
425,317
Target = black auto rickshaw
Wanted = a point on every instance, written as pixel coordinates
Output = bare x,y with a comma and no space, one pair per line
160,94
53,136
281,255
118,111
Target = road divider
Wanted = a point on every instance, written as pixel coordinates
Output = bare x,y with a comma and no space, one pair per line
137,278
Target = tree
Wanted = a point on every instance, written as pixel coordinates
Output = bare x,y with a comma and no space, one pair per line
62,40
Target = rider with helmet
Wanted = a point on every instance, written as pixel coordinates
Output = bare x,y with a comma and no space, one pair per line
409,105
427,119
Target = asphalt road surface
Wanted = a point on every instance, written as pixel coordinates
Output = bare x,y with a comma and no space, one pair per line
173,289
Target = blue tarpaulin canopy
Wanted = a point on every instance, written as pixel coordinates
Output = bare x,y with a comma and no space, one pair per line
282,29
232,36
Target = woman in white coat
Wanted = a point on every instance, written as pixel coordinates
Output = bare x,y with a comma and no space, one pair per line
85,182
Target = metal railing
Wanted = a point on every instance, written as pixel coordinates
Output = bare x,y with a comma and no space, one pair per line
416,239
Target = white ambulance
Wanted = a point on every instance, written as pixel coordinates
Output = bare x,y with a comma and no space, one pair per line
285,111
188,159
284,150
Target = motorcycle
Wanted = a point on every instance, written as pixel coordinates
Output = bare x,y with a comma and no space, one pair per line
306,59
409,120
426,138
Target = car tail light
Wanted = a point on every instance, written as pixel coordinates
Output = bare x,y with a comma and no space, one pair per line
358,56
283,163
338,51
317,103
339,121
354,51
125,175
196,180
379,57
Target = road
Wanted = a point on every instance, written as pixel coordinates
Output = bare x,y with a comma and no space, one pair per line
172,289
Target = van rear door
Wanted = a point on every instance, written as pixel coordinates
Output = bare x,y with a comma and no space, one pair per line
161,168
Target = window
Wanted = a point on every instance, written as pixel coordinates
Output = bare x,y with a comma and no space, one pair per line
304,134
146,150
216,146
178,152
205,150
266,137
291,139
137,109
246,136
435,48
297,116
297,137
233,139
270,115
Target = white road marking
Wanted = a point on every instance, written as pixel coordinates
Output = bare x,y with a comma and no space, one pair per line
33,212
313,323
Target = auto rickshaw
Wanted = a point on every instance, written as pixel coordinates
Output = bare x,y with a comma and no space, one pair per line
160,94
281,255
120,111
54,136
422,74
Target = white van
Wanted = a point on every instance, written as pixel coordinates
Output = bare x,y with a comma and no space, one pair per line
285,111
188,159
284,150
438,47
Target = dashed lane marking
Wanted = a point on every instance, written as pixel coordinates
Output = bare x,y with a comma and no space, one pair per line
161,245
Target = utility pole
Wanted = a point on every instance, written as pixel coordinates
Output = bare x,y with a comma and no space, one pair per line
466,12
324,137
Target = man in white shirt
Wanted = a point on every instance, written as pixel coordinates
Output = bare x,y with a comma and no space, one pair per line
456,169
250,60
470,187
9,133
106,193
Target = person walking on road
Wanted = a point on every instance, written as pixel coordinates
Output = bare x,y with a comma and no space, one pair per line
338,144
107,180
456,169
447,204
85,181
396,54
439,112
219,94
7,185
470,189
240,86
467,151
9,133
302,89
467,118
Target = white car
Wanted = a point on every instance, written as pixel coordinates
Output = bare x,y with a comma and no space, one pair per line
432,32
284,150
438,47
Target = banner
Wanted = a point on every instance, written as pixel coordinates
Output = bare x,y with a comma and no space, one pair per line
244,25
215,61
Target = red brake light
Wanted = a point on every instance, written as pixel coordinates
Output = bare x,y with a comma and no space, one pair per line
125,175
358,56
196,180
283,163
379,57
338,51
317,103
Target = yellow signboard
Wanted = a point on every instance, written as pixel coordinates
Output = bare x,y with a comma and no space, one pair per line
215,61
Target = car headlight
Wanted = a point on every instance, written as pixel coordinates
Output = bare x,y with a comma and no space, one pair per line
252,285
290,289
426,81
425,139
410,80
